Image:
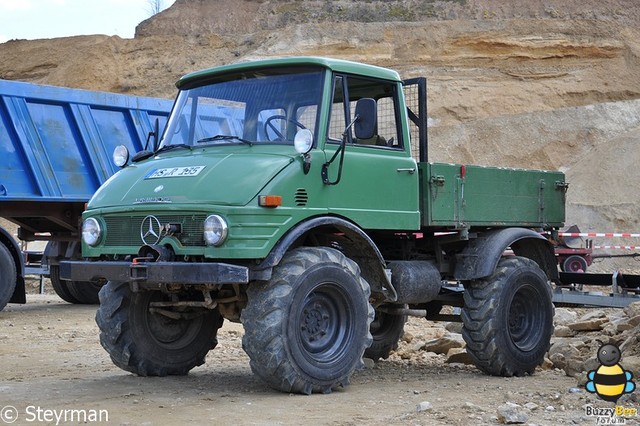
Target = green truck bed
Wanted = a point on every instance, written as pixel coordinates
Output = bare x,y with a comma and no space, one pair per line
458,196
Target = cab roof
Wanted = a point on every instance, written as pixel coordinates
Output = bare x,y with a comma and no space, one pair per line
337,65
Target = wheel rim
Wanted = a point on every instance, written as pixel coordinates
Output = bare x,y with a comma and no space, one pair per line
170,333
526,315
323,318
575,266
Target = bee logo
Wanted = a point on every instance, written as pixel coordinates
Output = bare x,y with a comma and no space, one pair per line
610,381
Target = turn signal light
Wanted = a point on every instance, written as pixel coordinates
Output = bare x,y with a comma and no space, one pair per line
270,200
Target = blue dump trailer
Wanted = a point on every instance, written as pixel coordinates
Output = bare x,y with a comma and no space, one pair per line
56,146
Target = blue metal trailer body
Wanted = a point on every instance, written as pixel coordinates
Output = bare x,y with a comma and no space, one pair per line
55,151
57,142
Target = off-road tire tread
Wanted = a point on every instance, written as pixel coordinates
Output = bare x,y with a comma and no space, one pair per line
265,315
116,336
386,342
482,326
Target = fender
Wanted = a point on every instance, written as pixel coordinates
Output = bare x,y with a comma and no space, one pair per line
480,258
353,241
19,293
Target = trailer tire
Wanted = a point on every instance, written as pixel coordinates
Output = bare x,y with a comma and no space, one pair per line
574,263
307,328
386,330
61,287
151,344
7,276
85,292
508,318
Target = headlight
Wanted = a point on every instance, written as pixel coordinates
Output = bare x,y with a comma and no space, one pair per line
303,141
91,232
120,156
215,230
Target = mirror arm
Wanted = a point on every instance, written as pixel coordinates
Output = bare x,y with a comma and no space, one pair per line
325,167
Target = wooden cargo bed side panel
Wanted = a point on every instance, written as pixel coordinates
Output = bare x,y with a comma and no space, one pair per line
464,196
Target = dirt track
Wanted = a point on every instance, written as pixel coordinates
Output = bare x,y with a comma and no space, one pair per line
51,360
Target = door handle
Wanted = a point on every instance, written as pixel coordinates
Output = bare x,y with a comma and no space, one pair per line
410,170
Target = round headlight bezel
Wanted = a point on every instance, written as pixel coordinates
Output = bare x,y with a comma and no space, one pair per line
215,230
91,232
120,156
303,141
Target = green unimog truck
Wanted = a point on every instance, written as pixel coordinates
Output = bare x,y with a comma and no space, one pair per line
295,196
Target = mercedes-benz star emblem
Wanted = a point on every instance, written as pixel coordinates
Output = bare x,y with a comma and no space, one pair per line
151,230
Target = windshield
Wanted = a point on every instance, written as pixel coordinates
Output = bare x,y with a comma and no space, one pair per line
257,107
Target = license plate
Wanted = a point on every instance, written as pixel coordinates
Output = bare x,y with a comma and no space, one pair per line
175,172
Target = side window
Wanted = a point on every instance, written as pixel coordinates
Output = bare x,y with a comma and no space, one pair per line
386,133
336,121
387,126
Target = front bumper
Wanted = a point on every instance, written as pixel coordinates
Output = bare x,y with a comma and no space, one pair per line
155,272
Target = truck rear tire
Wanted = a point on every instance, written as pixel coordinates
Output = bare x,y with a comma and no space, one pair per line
7,276
307,328
386,330
152,344
508,318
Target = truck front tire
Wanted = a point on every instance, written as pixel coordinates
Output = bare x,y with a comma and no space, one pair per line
508,318
148,343
307,328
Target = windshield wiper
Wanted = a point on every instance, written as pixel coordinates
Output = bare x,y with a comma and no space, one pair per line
227,137
171,147
144,154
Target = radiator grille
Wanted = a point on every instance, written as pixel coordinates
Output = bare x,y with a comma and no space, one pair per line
125,230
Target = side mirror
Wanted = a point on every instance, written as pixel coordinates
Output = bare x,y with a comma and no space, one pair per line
367,113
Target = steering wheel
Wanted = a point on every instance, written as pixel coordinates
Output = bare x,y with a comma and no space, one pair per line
269,125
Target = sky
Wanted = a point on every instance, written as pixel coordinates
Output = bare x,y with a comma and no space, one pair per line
34,19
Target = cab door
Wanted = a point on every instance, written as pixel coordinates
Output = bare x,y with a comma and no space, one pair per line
376,183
